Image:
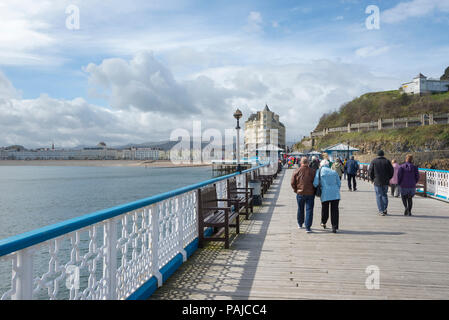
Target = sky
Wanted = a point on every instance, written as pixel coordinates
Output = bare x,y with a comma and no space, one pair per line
80,72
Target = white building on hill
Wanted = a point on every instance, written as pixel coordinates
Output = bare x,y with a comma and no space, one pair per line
421,84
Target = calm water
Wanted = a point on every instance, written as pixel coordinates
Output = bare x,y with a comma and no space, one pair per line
33,197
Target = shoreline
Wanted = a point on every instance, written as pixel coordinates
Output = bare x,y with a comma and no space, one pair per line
100,163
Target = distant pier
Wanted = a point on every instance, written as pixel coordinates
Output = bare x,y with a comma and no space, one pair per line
222,167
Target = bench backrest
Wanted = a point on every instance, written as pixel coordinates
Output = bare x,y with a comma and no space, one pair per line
207,198
422,179
232,184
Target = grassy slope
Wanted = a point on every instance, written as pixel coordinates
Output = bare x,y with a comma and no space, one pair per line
386,104
414,138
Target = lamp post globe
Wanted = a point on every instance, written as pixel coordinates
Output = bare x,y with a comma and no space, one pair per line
237,115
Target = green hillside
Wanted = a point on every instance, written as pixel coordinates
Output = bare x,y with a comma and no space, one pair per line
434,137
386,104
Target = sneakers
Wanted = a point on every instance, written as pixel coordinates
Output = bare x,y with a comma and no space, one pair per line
308,231
323,225
300,226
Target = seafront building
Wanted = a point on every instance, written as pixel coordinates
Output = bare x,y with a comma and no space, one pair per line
422,85
260,131
99,152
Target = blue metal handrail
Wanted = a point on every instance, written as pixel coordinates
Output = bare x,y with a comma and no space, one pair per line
40,235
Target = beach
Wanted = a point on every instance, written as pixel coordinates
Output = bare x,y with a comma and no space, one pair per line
100,163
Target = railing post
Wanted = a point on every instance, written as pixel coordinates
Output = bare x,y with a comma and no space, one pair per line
23,275
178,207
110,259
155,244
437,183
447,185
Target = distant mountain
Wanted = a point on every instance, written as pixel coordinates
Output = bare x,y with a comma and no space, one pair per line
163,145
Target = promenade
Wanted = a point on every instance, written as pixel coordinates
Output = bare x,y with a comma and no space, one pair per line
272,259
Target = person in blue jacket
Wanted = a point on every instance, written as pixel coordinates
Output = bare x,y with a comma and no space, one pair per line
330,194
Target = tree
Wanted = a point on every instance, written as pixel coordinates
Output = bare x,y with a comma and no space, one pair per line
445,76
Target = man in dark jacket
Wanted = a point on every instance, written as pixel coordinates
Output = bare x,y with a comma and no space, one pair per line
315,163
380,172
302,185
351,168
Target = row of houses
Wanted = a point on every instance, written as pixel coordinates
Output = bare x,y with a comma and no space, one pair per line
85,154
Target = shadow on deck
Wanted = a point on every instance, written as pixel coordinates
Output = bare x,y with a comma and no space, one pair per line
216,273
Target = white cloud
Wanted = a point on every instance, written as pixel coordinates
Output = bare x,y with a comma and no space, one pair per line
142,83
254,22
24,30
147,102
7,90
371,51
414,8
300,92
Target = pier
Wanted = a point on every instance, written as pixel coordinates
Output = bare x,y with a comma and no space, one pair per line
148,249
273,259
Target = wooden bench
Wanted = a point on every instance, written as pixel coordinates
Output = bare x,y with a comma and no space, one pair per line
241,198
422,183
218,218
265,180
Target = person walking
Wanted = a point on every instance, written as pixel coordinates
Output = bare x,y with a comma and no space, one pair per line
394,181
302,184
315,164
380,172
344,168
408,177
338,167
352,166
330,194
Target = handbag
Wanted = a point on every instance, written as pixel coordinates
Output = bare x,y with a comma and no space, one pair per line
318,190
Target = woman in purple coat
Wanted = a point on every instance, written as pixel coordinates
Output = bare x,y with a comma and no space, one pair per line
408,176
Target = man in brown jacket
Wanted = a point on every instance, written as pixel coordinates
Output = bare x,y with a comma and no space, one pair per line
302,184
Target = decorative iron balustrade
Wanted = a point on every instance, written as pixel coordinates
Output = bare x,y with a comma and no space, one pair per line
110,254
437,183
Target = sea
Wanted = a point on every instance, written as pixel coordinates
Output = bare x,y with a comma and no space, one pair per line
36,196
32,197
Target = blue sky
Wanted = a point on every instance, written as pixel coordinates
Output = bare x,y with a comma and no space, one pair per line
147,67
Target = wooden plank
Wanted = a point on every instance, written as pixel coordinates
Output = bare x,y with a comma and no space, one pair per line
272,259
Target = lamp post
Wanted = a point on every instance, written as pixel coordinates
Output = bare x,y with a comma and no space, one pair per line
238,115
348,151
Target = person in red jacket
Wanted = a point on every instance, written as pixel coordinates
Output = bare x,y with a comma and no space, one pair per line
408,177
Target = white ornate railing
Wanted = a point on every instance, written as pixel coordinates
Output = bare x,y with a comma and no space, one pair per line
437,183
111,254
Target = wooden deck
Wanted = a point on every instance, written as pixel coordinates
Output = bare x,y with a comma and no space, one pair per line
273,259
